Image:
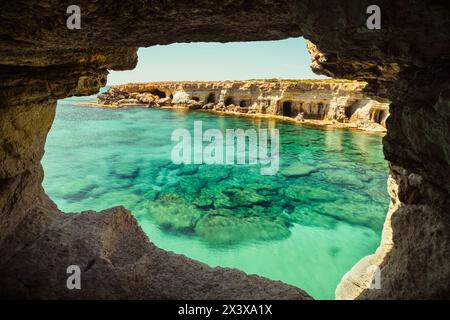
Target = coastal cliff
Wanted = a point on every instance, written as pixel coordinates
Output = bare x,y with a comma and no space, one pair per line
325,102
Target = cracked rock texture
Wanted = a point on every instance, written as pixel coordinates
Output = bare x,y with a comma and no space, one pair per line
407,62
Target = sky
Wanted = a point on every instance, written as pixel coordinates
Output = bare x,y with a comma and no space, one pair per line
285,59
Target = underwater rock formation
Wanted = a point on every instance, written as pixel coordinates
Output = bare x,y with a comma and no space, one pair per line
331,101
223,205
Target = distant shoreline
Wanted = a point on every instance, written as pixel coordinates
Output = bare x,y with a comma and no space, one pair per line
324,124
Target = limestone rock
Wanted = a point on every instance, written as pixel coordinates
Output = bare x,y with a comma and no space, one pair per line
117,262
343,101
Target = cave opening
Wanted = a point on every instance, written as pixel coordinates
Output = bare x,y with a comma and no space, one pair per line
350,110
287,109
321,110
383,115
158,93
379,116
211,98
405,61
229,101
133,176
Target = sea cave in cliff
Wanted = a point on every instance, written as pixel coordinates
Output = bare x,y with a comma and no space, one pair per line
245,178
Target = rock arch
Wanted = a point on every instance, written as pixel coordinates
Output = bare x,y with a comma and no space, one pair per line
406,63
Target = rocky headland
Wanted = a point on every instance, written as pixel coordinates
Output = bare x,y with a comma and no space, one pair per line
341,103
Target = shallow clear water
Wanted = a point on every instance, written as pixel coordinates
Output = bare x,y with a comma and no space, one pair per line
306,225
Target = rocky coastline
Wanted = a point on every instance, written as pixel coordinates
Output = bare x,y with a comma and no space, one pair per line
334,103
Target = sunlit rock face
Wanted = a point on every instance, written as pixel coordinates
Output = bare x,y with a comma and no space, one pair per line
330,100
406,62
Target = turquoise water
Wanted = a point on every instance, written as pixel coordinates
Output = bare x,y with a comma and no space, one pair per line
306,226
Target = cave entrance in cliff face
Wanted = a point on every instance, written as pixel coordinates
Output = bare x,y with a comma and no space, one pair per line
287,109
158,93
320,111
211,98
229,101
349,111
379,115
243,104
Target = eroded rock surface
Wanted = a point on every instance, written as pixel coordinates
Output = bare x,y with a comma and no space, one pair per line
328,101
112,250
406,62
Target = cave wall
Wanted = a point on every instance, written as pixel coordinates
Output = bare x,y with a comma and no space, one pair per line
406,62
